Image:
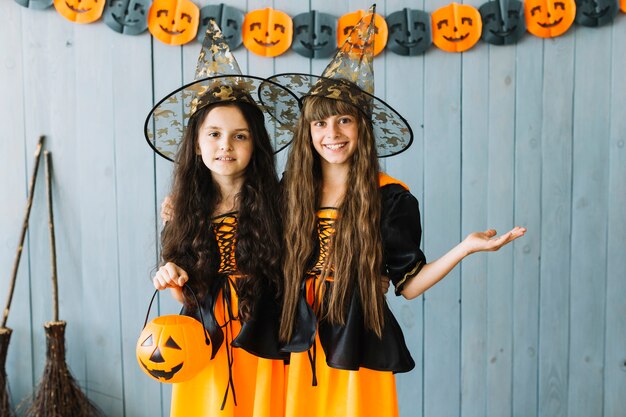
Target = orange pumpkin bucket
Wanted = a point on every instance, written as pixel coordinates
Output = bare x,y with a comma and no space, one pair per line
173,348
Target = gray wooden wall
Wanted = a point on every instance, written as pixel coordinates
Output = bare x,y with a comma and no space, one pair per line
531,134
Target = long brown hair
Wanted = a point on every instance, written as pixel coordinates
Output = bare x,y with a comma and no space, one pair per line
188,240
356,249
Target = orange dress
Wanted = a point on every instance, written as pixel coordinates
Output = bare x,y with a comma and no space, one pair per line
233,375
354,369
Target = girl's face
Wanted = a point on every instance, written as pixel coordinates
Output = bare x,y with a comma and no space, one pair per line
335,139
225,143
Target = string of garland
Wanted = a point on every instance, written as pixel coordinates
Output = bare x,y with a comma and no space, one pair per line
269,32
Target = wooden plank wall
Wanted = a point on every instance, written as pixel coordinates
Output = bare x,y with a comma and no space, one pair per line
531,134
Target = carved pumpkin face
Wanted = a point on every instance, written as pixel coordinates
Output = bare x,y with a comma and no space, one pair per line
409,32
456,27
229,20
503,22
348,21
549,18
35,4
172,348
174,22
129,17
267,32
314,34
80,11
595,12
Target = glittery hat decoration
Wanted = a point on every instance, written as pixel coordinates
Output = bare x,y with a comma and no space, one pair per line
350,77
218,79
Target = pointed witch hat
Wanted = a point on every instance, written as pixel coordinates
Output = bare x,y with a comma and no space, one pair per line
219,79
350,77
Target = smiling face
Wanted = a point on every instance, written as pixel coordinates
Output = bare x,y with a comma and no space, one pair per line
503,22
409,32
456,27
549,18
172,348
335,139
348,21
314,35
229,20
80,11
129,17
594,13
225,143
267,32
174,22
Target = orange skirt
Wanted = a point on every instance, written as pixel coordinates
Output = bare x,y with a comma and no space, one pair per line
338,392
259,383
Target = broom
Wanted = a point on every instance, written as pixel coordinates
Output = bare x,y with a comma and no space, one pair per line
5,332
58,393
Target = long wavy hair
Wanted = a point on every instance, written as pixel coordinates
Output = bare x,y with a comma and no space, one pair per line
188,239
355,252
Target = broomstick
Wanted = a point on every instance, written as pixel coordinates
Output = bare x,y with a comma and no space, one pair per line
5,332
58,394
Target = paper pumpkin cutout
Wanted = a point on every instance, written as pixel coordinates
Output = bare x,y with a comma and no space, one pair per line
35,4
267,32
549,18
346,23
80,11
503,21
129,17
172,348
228,19
314,34
409,32
594,13
456,27
174,22
622,5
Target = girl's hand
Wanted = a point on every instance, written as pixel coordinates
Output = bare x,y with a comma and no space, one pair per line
385,283
167,209
170,275
486,241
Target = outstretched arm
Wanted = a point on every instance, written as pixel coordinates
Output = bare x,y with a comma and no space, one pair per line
434,271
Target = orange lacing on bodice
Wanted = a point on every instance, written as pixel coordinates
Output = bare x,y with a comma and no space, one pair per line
225,230
326,219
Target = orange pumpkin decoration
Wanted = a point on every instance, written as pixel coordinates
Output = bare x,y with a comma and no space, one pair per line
174,22
80,11
549,18
267,32
348,21
456,27
173,348
622,5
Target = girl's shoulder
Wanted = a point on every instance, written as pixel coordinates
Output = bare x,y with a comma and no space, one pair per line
384,180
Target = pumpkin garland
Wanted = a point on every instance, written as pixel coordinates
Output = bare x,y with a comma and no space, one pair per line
270,33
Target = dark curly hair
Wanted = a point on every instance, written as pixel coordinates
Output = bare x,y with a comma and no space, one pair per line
188,240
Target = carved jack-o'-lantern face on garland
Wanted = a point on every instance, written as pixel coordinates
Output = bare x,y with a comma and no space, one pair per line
594,13
503,22
314,34
172,348
549,18
228,19
80,11
267,32
174,22
348,21
129,17
409,32
456,27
